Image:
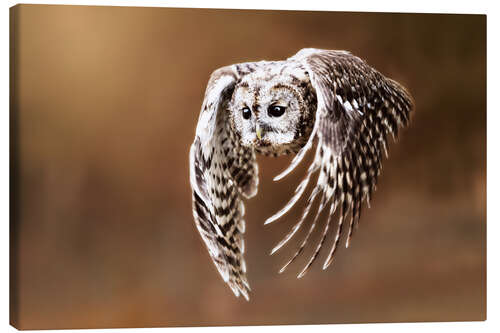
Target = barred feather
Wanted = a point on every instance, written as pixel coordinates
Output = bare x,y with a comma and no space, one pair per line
357,108
222,172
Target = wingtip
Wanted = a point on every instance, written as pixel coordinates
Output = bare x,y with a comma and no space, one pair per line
270,220
327,263
235,290
245,295
286,266
280,176
247,285
273,251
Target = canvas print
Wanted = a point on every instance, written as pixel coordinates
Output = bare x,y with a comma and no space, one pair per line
210,167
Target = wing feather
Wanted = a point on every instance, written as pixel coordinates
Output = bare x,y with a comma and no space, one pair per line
357,108
222,173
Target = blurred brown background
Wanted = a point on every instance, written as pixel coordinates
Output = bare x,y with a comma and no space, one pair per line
104,107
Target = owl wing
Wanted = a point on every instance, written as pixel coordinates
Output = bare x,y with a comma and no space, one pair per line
357,108
221,173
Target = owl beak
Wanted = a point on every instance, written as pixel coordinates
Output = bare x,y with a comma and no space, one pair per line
258,130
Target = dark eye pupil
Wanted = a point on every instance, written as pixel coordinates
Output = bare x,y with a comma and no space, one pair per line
246,113
276,111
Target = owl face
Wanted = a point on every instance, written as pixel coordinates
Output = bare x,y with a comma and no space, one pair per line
268,109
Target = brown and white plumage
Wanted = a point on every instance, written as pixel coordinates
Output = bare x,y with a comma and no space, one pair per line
330,99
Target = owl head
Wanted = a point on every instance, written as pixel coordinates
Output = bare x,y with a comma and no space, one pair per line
271,109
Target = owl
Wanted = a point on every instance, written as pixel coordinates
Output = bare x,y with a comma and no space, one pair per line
330,100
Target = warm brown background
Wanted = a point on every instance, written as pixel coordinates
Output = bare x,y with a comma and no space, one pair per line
104,107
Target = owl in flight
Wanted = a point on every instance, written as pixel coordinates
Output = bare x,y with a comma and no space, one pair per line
328,99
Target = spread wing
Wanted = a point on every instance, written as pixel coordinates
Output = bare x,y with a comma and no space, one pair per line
221,173
357,108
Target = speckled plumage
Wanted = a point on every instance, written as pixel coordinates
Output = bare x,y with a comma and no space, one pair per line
328,98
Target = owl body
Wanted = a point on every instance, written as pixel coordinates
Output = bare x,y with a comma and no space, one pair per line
328,99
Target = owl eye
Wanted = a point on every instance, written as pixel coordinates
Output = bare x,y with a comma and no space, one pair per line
246,112
276,111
